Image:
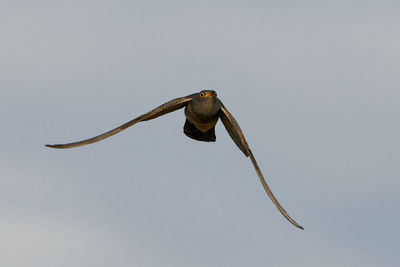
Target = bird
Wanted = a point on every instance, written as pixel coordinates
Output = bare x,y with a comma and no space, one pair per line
202,112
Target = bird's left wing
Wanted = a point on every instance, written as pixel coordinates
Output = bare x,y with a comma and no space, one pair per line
234,131
159,111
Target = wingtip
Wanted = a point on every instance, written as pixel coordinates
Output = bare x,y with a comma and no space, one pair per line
293,222
52,146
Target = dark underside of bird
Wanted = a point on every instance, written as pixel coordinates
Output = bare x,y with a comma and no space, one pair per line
202,111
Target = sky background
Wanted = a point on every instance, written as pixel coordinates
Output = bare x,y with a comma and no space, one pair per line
314,86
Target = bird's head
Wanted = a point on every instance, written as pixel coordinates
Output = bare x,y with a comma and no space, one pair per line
207,94
205,103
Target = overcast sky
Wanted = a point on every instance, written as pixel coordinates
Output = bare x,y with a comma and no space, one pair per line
314,86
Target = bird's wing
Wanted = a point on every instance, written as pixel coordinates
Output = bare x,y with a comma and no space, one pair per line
159,111
234,131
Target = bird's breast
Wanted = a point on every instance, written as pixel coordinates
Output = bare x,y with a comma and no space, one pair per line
203,118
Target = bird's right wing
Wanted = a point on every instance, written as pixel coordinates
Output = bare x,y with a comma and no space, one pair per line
234,131
159,111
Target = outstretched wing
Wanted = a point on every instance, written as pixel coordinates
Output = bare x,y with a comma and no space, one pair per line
159,111
234,131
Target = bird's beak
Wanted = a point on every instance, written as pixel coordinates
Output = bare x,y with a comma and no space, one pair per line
209,94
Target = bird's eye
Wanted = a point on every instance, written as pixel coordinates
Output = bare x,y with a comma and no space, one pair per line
202,94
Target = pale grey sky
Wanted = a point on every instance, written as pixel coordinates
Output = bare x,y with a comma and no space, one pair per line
313,84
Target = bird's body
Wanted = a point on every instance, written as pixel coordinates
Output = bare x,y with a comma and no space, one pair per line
202,111
203,122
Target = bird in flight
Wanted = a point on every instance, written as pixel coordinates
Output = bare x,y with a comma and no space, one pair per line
202,111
